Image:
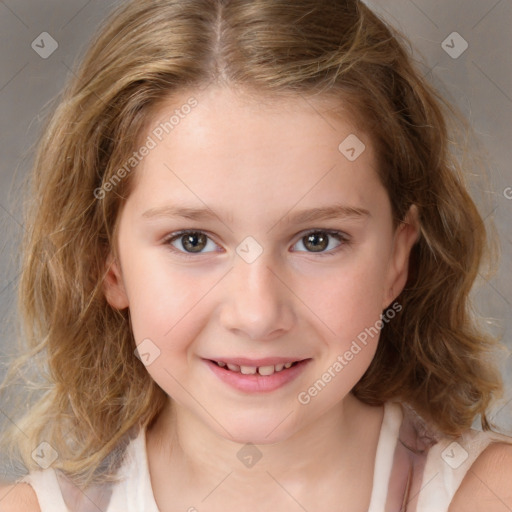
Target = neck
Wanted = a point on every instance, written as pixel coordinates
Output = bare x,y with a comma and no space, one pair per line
337,445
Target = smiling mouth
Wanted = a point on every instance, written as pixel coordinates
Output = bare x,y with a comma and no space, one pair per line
252,370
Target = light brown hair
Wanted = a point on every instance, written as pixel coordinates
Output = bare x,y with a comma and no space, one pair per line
432,356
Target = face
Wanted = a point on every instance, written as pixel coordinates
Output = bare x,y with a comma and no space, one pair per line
255,236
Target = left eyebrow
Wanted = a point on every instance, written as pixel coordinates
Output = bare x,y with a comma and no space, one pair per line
326,213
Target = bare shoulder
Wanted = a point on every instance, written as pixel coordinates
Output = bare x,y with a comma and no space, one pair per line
487,486
18,498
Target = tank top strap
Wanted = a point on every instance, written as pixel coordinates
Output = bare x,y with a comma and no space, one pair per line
420,468
384,458
47,489
56,493
134,491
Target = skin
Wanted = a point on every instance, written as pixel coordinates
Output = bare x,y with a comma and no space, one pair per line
255,165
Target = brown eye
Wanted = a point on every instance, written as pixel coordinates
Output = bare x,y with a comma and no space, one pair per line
320,241
316,242
192,242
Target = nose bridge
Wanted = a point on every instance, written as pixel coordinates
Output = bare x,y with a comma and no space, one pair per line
257,303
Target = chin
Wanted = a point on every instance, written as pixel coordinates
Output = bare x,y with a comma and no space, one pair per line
257,429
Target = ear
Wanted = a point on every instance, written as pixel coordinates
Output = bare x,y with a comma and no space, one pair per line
406,235
113,285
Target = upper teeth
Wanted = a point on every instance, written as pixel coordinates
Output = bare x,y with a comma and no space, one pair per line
251,370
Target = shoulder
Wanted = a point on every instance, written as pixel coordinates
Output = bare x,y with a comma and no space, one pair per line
487,486
18,498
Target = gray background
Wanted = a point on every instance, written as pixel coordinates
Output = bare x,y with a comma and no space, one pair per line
479,81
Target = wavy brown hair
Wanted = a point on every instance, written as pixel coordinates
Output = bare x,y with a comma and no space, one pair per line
432,356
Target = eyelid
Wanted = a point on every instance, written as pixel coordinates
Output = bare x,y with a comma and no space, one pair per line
333,232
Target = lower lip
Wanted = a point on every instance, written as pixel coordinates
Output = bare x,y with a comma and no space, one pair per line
257,383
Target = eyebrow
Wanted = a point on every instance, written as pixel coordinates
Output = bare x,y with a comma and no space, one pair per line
326,213
180,211
336,211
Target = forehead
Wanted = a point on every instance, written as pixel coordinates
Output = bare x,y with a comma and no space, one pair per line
244,150
222,121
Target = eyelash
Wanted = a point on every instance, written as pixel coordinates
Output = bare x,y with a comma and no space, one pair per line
343,238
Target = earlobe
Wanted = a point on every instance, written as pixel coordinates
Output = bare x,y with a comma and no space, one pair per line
406,235
113,285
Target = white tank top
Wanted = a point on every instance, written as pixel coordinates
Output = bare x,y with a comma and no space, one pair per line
408,460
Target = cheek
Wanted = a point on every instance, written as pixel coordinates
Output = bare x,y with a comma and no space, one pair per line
161,297
349,307
347,299
168,312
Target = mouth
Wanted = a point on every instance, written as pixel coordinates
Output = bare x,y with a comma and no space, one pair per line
257,376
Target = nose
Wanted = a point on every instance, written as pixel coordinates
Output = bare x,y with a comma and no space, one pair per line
257,304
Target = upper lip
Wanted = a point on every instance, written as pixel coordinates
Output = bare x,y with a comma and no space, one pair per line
265,361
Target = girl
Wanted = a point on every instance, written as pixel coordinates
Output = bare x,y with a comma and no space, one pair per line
247,275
